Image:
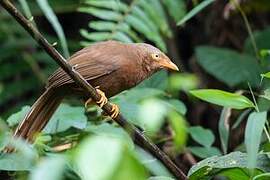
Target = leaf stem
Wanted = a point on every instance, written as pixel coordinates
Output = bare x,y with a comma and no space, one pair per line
254,99
248,27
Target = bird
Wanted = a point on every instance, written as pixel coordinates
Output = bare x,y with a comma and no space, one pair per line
109,66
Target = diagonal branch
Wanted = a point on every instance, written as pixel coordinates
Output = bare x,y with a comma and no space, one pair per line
138,137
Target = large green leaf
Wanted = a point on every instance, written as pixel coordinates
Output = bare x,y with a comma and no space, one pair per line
223,98
229,66
210,167
203,136
183,81
253,133
15,118
236,174
262,39
110,130
159,80
151,115
204,152
120,161
22,160
66,117
49,168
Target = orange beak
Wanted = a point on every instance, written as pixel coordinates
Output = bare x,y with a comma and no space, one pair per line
168,64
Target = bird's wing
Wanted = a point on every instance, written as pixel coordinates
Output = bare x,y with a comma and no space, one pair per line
91,62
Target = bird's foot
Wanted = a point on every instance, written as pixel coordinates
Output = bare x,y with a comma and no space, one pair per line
103,99
101,102
114,111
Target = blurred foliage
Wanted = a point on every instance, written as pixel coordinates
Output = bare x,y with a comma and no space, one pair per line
84,144
128,21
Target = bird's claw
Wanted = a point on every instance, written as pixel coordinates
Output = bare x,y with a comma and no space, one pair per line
114,111
103,99
86,104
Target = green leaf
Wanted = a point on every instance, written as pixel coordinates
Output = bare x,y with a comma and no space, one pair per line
224,128
113,5
263,176
47,10
253,133
235,174
195,11
160,20
102,14
49,168
4,135
120,162
159,81
160,178
229,66
151,163
143,28
109,130
262,39
266,75
209,167
139,13
25,8
223,98
120,36
176,105
95,36
183,81
151,115
138,94
204,152
15,118
176,8
105,26
240,118
66,117
179,126
203,136
22,160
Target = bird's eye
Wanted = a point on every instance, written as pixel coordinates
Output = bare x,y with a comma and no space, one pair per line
155,56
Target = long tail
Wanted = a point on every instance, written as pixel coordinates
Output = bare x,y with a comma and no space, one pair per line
40,114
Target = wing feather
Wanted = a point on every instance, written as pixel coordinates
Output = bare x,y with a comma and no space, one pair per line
91,62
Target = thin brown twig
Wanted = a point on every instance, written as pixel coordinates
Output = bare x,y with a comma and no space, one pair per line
138,137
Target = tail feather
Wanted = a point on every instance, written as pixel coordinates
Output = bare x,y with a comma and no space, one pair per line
39,115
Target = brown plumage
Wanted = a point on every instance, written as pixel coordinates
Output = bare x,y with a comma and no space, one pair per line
110,65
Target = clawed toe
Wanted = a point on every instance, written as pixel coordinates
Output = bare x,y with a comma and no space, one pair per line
87,103
103,99
115,111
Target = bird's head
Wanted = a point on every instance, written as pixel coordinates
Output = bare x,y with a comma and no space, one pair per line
156,58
